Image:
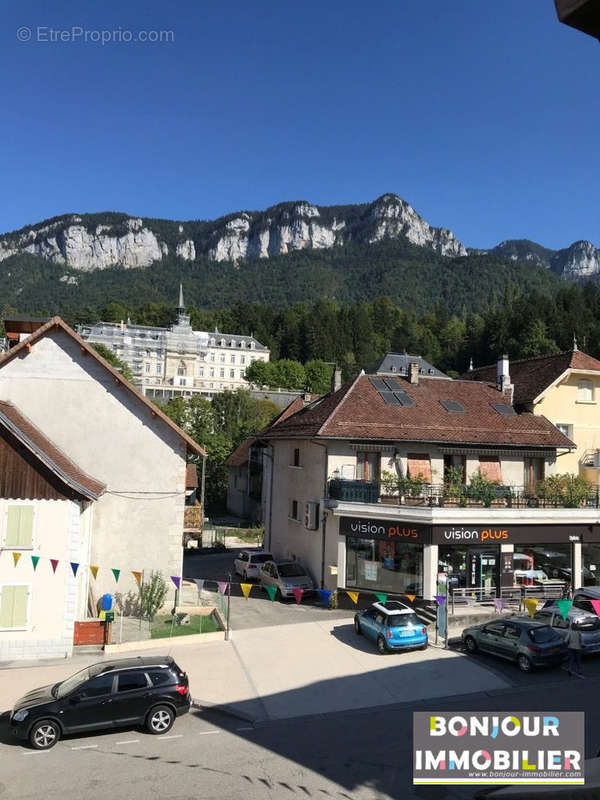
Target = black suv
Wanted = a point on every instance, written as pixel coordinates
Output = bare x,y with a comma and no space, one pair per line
131,691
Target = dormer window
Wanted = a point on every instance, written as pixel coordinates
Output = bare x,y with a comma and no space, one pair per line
242,344
222,343
232,343
252,345
212,342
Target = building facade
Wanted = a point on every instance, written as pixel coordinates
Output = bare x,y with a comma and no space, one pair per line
378,486
178,361
96,418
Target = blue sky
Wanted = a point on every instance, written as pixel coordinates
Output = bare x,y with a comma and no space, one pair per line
483,115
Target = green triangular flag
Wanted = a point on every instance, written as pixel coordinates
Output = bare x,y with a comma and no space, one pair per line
34,561
116,573
564,607
271,591
381,596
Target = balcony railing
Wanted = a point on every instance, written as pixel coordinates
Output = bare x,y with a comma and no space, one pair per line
440,495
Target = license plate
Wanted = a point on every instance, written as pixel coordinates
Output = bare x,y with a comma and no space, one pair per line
403,632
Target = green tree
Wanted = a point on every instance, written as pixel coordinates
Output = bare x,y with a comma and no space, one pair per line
113,360
261,373
289,374
318,376
536,341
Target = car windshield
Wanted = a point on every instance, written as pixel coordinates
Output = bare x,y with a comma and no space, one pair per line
291,570
74,682
543,634
402,620
261,558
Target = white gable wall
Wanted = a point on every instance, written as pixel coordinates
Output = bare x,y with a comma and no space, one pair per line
137,524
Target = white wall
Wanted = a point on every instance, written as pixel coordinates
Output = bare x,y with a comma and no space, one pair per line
53,597
138,523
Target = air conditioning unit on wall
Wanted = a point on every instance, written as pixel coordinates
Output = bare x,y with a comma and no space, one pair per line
311,516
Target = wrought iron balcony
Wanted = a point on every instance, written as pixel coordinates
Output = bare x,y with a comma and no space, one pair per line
354,491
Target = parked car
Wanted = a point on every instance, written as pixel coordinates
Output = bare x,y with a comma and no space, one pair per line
582,598
249,562
528,642
286,576
148,691
392,626
587,624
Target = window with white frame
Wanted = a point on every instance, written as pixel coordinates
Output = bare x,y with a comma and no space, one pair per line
158,369
212,356
233,358
212,372
585,392
19,527
147,367
565,429
242,359
222,358
232,373
14,605
201,371
221,373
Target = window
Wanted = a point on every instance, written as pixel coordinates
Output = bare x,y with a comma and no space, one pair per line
232,358
147,367
99,686
128,681
565,429
294,510
181,368
232,373
14,605
212,373
160,677
158,369
367,466
221,373
222,343
512,632
534,473
489,466
252,345
585,392
212,356
242,359
201,372
494,628
222,358
395,567
296,457
19,527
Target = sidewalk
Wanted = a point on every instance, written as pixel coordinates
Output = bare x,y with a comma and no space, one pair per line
292,670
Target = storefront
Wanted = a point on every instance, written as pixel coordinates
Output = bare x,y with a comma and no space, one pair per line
404,557
384,556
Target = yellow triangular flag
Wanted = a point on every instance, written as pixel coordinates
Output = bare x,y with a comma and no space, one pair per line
94,570
410,597
246,587
531,605
353,596
16,557
137,576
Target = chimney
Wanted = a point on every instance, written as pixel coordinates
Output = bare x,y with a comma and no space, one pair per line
503,383
413,373
336,379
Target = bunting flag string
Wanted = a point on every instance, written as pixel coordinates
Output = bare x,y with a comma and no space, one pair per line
564,606
298,592
271,591
222,586
381,596
116,573
246,588
176,580
74,567
138,576
498,603
531,605
34,561
54,562
94,570
354,596
440,599
596,606
411,597
16,557
199,585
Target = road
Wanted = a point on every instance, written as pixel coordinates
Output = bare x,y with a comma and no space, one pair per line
359,755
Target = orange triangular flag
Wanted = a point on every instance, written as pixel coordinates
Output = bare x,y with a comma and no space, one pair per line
94,570
137,576
16,557
410,597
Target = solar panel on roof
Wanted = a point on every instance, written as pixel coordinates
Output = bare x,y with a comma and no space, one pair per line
404,399
504,409
453,407
390,398
392,384
379,384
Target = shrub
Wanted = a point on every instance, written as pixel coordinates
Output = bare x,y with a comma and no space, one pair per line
482,489
152,595
566,490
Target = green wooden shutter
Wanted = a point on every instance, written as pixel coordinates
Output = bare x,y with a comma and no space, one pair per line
19,528
13,606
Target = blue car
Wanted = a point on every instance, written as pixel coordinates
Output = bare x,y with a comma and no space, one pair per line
392,626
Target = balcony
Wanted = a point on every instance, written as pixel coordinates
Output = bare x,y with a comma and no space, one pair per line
439,495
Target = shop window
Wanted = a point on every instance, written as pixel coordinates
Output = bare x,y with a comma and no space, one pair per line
367,466
543,561
19,527
534,470
419,466
585,392
395,567
590,562
489,466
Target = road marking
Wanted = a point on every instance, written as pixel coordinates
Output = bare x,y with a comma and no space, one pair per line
207,733
174,736
85,747
128,741
35,752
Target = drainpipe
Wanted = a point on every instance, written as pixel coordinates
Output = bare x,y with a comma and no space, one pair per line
324,522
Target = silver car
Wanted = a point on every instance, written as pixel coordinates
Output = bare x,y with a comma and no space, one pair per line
587,624
286,576
249,562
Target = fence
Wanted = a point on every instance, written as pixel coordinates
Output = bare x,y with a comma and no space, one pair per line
514,596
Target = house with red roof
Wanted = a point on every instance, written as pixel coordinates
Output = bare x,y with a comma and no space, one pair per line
93,482
416,485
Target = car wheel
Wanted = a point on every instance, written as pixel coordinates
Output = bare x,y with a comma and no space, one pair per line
381,646
471,644
357,629
160,719
423,647
44,734
524,664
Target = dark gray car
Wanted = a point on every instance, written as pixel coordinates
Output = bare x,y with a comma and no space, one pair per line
528,642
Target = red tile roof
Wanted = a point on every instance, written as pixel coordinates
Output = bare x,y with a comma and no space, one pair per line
531,376
242,452
57,322
357,411
48,453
